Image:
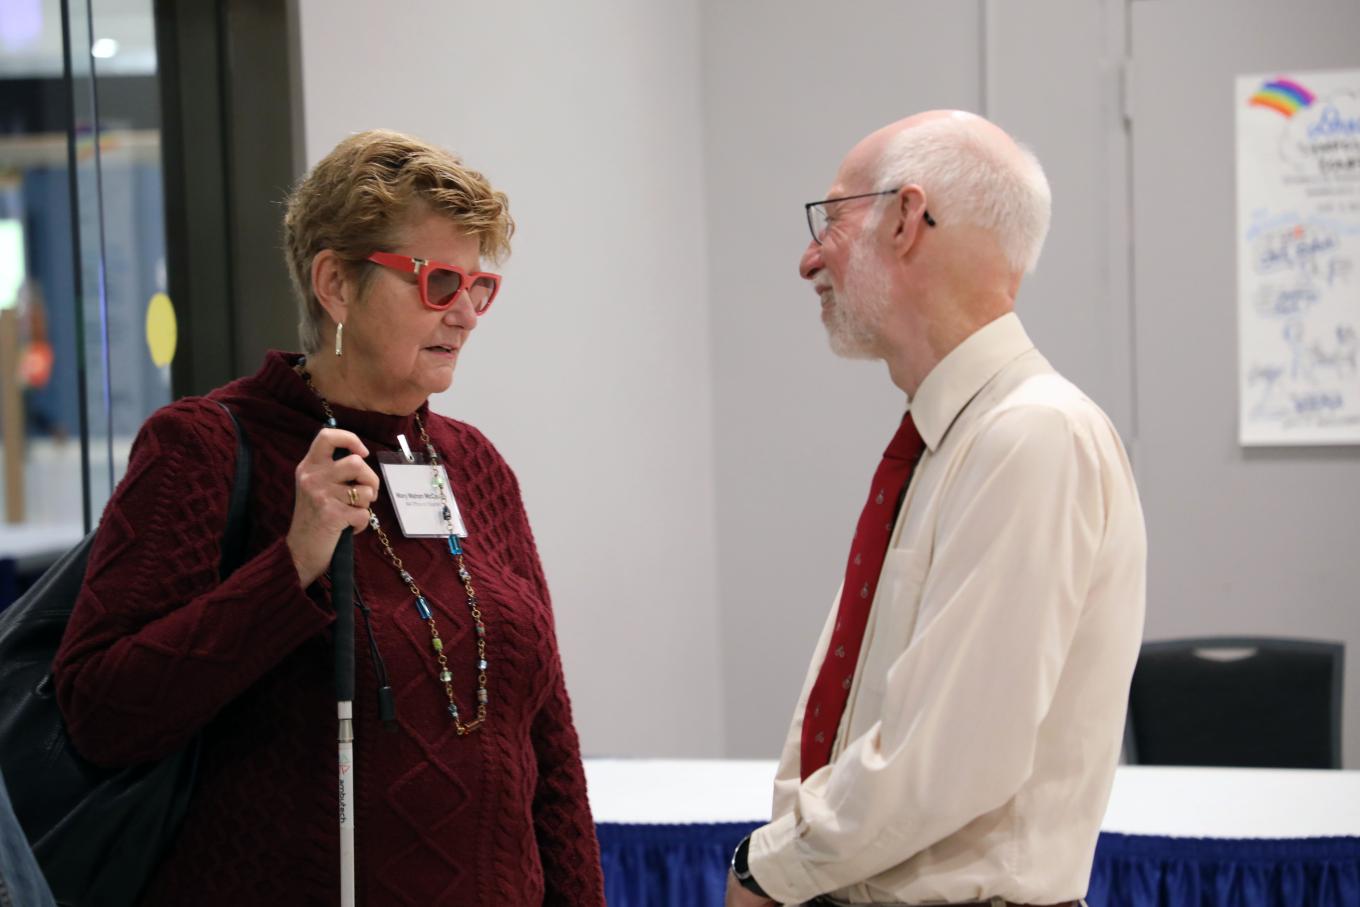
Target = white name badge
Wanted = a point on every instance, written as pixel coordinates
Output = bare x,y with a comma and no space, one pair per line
419,503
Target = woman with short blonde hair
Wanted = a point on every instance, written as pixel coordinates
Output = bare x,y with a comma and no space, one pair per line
473,792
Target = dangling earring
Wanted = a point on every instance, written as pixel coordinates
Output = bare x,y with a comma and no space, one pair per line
339,339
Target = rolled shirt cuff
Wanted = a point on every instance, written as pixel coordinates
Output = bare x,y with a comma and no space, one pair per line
774,863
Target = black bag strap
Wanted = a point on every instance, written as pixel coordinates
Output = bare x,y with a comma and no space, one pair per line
238,510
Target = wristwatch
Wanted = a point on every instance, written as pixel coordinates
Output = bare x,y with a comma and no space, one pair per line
742,871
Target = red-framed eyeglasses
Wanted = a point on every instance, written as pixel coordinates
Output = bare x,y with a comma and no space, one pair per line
440,284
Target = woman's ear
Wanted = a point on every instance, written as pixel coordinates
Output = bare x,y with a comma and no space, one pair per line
331,284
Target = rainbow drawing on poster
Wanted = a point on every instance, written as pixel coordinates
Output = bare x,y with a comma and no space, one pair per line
1284,96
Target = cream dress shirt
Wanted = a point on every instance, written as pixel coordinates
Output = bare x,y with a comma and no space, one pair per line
979,744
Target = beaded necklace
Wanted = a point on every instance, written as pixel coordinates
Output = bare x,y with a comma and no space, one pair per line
422,605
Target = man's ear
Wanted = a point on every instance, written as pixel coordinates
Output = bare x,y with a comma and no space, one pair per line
331,284
909,210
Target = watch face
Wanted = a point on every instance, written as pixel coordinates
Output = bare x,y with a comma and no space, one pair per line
739,860
742,870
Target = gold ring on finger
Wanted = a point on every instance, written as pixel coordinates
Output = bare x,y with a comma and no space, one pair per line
353,496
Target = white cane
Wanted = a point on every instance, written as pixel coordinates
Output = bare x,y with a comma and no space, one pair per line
342,597
344,711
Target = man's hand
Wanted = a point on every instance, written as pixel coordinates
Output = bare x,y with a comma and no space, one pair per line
740,897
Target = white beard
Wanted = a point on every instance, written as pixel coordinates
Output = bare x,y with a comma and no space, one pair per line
856,310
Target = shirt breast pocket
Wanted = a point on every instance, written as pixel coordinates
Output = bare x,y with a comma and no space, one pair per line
896,606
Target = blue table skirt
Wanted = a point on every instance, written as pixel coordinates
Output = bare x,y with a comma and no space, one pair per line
1144,870
686,866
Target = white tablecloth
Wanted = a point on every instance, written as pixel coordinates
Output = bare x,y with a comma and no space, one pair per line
1146,800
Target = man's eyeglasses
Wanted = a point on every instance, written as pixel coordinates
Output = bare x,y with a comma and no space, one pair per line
817,217
440,284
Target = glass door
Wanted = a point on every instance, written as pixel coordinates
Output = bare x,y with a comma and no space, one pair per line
86,332
126,321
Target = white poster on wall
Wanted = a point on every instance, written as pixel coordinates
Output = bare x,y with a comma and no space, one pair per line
1298,257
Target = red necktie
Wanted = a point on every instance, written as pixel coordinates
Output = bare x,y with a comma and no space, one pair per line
831,691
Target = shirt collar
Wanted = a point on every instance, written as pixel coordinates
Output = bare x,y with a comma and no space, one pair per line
956,379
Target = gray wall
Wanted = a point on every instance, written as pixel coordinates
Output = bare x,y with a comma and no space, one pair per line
592,373
1055,80
798,432
1250,541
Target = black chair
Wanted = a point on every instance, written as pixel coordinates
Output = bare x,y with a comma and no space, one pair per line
1248,702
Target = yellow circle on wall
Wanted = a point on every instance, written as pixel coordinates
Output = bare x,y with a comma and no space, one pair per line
162,330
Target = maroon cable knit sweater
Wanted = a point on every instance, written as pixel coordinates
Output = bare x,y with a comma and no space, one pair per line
158,650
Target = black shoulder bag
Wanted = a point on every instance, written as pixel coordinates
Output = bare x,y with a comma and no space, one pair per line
98,833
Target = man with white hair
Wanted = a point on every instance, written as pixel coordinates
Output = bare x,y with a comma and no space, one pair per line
957,735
